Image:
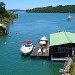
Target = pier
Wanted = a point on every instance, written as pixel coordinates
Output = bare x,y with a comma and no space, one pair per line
60,59
66,68
40,51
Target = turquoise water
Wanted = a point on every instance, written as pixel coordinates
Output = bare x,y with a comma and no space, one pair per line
31,26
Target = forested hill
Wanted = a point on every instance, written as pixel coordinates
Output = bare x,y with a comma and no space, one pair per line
51,9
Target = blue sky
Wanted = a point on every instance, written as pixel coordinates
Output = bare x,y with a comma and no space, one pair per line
27,4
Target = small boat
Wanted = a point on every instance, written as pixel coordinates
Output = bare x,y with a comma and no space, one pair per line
69,18
26,47
43,40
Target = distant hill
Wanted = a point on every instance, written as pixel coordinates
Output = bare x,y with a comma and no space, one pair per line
13,10
51,9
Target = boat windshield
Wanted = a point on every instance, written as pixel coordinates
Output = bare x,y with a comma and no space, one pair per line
27,45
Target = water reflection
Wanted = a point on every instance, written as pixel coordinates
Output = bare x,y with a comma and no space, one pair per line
25,59
56,67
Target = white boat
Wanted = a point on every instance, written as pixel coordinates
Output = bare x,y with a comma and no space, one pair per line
69,18
43,40
26,47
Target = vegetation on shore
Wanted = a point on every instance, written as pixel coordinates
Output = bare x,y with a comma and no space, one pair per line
5,16
72,69
51,9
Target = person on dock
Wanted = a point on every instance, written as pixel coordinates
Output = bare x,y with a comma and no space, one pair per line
42,50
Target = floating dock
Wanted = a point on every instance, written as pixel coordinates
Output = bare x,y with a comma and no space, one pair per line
40,51
60,59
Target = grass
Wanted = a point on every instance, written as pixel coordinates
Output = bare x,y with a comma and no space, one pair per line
72,69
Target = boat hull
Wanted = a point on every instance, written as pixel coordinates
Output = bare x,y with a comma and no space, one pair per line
26,53
69,19
26,50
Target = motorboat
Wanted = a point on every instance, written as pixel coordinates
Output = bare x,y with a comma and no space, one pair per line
43,40
69,18
26,47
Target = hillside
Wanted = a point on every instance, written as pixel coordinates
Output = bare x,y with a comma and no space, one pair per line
5,16
51,9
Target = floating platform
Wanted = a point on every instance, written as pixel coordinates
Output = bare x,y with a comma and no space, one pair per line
60,59
40,51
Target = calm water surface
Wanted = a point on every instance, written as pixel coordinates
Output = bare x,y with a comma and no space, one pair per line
31,26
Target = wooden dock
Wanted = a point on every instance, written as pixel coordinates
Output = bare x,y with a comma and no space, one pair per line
40,51
60,59
66,68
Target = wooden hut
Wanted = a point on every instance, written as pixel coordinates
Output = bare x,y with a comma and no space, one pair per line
3,30
62,44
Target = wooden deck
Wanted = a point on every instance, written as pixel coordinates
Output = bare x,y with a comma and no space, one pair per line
60,59
40,51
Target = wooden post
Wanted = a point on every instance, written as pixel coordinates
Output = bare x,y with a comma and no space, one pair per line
51,56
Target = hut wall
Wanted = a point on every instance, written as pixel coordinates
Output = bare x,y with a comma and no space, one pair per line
62,50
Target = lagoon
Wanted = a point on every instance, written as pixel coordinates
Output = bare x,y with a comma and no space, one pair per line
31,26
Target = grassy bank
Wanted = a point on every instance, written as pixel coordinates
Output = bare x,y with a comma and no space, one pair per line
72,70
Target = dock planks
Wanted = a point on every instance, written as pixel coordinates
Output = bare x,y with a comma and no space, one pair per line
60,59
40,51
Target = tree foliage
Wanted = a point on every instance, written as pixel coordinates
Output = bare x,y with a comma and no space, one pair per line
5,16
2,5
51,9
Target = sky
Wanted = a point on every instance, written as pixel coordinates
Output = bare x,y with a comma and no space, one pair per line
29,4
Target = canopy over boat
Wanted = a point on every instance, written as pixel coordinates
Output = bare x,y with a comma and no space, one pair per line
44,38
27,41
42,42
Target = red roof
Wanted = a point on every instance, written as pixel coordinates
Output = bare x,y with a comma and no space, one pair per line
27,41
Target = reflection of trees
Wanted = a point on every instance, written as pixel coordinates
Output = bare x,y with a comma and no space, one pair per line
56,67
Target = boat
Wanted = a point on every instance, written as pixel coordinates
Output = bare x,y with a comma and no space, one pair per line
26,47
69,18
43,40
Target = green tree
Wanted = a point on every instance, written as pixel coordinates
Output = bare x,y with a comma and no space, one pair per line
2,5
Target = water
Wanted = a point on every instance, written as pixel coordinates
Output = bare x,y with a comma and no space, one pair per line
31,26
